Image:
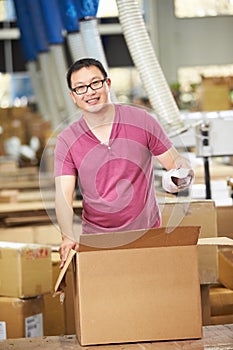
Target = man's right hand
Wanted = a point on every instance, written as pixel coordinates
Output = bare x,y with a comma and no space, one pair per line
65,247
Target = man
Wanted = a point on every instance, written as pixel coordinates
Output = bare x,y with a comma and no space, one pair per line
110,149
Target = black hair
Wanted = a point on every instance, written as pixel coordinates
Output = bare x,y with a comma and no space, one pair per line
84,62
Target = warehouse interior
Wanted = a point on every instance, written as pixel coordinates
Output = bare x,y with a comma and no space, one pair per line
176,51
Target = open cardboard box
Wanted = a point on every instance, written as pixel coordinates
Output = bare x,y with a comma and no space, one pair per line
137,286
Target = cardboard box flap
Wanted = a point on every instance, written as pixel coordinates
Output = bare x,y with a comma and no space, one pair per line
223,241
61,278
148,238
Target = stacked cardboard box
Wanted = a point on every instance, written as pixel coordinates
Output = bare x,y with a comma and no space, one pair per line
201,213
225,258
221,296
22,123
25,276
221,301
21,317
57,318
38,234
12,121
225,220
218,298
8,196
215,93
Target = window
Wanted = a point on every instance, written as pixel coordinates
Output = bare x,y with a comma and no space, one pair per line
7,11
202,8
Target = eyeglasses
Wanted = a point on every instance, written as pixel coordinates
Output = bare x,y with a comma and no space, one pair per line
95,85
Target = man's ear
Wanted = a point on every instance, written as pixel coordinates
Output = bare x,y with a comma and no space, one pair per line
109,82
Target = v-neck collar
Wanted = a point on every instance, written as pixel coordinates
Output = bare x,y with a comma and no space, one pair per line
88,130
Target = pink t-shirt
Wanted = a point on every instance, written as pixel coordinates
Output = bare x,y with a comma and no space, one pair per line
116,179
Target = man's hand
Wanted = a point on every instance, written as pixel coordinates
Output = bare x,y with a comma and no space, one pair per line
177,180
65,247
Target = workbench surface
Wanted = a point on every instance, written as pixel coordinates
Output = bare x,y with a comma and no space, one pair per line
214,337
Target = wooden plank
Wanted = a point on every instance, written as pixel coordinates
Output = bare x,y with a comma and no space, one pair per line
214,337
24,207
26,184
19,171
31,213
19,221
31,196
31,206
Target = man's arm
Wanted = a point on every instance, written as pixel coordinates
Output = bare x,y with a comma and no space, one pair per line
171,159
180,174
65,186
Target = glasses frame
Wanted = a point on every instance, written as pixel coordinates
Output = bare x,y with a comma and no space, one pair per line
89,86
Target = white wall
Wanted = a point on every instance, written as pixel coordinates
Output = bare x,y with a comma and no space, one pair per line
188,42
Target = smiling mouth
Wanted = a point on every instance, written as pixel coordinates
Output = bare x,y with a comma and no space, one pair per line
92,100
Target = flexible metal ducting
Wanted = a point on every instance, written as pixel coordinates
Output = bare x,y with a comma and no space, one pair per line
30,54
146,62
87,10
92,41
70,22
37,87
49,66
36,27
76,45
45,62
54,27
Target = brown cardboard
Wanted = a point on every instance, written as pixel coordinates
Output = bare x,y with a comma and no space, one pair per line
205,304
25,269
64,286
226,268
54,311
218,172
144,290
196,213
225,220
69,302
214,94
8,196
221,300
222,319
21,317
45,234
17,234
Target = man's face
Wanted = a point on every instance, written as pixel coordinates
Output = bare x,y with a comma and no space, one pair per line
91,100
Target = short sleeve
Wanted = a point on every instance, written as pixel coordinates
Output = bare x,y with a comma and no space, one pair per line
158,141
63,161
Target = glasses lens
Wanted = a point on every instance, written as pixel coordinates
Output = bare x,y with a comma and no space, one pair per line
97,84
81,89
